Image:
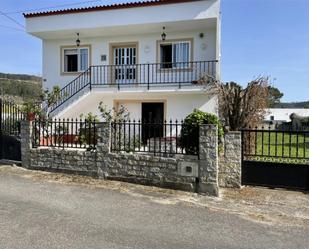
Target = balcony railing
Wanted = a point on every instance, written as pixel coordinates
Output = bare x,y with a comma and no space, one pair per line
148,75
153,74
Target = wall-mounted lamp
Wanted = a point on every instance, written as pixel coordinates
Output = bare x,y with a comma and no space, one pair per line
77,40
163,35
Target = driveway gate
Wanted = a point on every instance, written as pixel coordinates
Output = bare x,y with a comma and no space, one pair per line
275,158
10,117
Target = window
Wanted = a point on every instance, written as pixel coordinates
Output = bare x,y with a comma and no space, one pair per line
75,60
175,54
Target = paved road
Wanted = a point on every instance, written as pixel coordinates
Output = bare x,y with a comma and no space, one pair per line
38,214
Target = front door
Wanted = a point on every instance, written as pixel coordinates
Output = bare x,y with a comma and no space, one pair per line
152,119
125,65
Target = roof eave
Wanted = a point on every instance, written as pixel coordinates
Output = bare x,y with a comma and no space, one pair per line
106,7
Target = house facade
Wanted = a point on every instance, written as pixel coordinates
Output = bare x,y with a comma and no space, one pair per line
155,58
280,115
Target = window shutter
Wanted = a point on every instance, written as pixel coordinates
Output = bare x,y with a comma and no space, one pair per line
83,53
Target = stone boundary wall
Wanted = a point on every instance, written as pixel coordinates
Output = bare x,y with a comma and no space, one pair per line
149,170
230,161
184,172
64,160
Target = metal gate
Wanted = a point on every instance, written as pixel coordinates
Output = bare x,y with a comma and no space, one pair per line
275,158
10,117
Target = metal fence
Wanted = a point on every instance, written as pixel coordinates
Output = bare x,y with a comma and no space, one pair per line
65,133
10,117
162,138
267,144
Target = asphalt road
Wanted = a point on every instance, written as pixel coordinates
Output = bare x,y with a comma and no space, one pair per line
38,214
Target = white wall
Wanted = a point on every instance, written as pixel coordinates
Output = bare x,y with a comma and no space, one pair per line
282,114
194,10
178,106
100,45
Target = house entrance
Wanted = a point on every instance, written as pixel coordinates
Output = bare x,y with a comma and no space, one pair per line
152,120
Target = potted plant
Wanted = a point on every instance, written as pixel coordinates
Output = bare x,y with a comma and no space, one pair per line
31,109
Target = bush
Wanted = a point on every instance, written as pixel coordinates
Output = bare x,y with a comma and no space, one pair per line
88,133
190,129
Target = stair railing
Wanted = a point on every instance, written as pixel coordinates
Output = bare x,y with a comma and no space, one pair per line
74,87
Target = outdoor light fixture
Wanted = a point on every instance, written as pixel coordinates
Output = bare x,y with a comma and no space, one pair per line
163,35
78,40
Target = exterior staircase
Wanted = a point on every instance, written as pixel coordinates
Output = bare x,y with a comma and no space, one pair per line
144,75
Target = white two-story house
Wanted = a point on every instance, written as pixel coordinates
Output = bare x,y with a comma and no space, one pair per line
152,57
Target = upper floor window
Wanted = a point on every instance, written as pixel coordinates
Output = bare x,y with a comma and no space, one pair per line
75,59
175,54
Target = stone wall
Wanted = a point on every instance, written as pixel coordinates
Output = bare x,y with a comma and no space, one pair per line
64,160
230,161
184,172
149,170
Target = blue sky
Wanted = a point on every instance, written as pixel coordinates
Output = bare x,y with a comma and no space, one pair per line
259,37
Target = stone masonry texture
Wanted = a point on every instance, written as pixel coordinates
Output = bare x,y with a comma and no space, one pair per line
208,164
132,167
230,161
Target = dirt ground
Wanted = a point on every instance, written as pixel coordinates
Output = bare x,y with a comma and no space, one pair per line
269,206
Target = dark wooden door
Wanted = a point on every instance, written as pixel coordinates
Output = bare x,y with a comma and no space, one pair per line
152,120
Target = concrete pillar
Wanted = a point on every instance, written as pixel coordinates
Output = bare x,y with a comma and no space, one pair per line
26,142
208,164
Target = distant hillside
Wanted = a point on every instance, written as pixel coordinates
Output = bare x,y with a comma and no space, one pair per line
20,87
303,104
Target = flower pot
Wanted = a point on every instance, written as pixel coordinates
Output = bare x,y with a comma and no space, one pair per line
31,116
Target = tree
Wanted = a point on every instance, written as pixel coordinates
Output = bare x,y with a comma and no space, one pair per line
243,107
274,96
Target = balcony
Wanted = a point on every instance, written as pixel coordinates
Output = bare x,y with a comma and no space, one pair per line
148,76
152,74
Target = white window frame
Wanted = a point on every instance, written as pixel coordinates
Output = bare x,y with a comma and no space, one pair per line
172,42
64,48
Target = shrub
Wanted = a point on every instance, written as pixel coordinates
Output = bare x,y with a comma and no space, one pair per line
190,129
88,133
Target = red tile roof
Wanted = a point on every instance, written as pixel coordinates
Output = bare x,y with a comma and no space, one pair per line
106,7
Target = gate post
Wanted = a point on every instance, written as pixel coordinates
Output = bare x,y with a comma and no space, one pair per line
26,142
230,160
208,163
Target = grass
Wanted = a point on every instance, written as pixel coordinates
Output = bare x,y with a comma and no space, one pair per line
279,146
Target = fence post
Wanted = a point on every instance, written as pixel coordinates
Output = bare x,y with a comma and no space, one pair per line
230,161
26,142
148,76
208,163
90,79
104,133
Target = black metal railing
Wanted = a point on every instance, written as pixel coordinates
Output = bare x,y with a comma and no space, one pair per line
153,74
65,133
161,138
267,144
147,75
10,117
74,87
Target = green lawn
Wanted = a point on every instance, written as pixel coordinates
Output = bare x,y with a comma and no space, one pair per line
280,146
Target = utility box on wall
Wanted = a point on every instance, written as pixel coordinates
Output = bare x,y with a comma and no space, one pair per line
188,169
